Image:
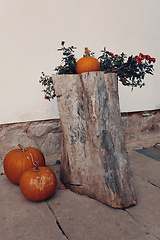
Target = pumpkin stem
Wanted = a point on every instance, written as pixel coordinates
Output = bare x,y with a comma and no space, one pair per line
87,52
23,149
36,164
37,169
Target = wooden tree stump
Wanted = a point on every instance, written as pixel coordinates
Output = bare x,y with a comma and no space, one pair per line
94,157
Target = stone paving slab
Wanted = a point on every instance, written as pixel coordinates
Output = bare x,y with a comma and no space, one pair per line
146,174
83,218
147,210
22,219
145,167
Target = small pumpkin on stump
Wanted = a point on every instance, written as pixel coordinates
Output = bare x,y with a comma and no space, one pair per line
38,184
87,63
17,161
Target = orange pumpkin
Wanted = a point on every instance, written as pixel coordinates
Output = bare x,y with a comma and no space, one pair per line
38,184
87,63
17,161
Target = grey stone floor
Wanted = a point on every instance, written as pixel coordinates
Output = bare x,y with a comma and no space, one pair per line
68,215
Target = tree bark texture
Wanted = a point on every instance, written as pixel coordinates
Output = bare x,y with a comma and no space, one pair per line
94,157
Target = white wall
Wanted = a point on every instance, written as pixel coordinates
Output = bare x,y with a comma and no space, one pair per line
32,30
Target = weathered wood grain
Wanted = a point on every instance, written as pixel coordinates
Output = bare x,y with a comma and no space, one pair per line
94,157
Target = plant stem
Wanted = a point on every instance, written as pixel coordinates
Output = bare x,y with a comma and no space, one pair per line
87,52
37,169
23,149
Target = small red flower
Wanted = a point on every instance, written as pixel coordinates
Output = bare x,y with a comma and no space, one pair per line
153,60
45,97
124,80
140,55
148,57
143,57
59,66
137,59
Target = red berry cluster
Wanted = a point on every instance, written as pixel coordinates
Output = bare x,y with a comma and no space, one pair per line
113,55
142,57
46,97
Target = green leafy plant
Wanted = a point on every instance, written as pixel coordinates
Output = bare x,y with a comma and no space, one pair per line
67,66
130,71
68,63
47,82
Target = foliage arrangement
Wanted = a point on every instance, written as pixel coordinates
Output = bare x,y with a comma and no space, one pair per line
68,66
47,82
68,63
130,71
